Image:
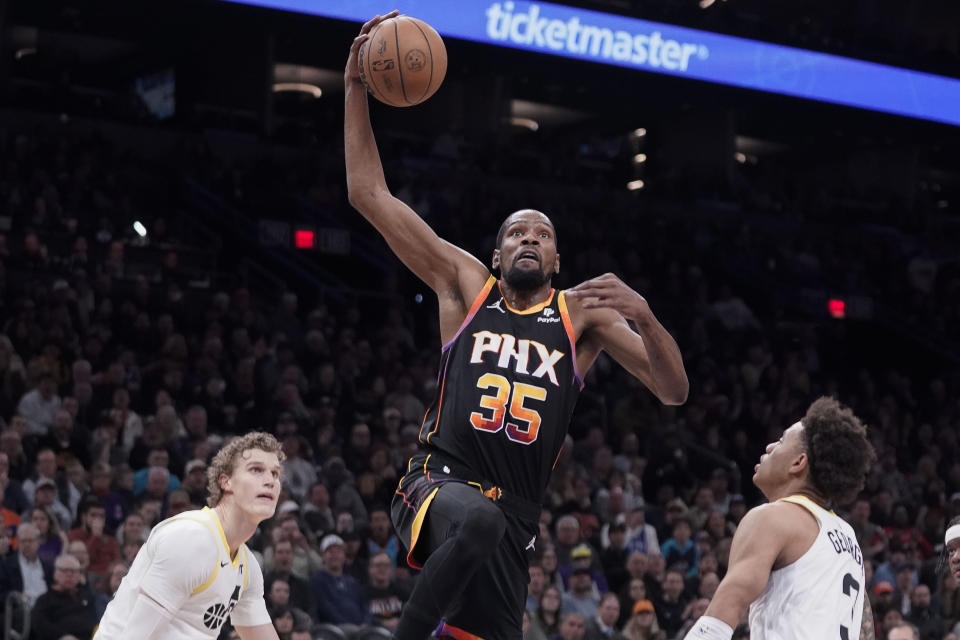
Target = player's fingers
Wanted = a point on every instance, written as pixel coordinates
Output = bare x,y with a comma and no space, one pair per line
370,24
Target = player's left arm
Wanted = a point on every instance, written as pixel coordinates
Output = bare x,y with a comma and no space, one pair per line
260,632
650,353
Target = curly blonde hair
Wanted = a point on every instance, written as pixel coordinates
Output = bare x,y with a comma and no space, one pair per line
225,461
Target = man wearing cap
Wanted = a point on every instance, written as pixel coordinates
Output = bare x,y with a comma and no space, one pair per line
195,481
582,556
338,596
45,495
582,596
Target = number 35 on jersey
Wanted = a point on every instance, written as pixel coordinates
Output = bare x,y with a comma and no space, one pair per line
517,399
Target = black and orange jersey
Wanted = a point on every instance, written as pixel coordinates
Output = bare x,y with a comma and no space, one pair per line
507,387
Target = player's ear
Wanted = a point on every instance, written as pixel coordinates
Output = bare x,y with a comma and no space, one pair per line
495,261
225,483
800,464
556,264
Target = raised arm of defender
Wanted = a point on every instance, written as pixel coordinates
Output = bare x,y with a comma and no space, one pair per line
451,272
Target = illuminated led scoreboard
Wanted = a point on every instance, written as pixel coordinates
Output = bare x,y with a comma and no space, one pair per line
611,39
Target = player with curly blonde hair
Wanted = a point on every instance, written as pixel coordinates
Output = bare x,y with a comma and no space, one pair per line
195,568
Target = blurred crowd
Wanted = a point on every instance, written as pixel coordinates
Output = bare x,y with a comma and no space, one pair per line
121,378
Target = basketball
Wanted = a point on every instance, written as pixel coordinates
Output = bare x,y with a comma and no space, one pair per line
403,61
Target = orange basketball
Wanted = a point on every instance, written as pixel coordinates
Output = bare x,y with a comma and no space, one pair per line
403,61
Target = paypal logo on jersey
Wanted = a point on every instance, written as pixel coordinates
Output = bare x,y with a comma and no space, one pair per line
536,29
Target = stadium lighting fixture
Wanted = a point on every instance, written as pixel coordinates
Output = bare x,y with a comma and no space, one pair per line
640,158
526,123
635,185
740,157
140,229
298,87
640,132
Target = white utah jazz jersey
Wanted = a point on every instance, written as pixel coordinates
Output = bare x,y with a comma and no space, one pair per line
185,566
820,596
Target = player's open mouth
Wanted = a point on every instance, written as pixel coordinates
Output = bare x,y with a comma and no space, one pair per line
265,496
527,255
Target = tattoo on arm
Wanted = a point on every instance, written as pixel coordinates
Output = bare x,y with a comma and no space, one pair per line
867,631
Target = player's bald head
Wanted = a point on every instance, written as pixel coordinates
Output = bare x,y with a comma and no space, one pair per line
524,213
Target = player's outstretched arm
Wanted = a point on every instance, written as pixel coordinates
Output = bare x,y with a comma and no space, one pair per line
260,632
756,545
652,355
441,265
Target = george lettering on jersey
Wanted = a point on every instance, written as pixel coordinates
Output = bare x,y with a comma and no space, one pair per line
521,354
515,354
842,543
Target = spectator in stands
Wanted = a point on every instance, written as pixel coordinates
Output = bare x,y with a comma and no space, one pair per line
39,405
283,621
64,609
300,595
582,597
641,536
67,439
903,631
603,625
672,603
195,481
535,587
613,559
13,497
572,627
306,561
52,539
382,538
385,597
103,548
923,616
299,473
116,573
339,597
680,550
158,456
23,570
643,623
88,581
545,622
46,475
317,513
278,596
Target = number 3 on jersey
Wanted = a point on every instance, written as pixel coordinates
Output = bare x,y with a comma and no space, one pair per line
498,404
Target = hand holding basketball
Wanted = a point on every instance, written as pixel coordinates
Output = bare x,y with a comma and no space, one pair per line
352,71
402,60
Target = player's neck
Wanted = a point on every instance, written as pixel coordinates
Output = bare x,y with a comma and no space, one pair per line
796,488
523,300
237,526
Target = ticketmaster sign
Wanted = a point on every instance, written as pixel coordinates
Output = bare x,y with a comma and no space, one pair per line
650,46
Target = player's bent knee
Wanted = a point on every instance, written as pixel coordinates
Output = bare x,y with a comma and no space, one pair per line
483,527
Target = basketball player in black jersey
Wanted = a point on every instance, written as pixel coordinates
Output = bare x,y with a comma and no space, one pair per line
514,355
